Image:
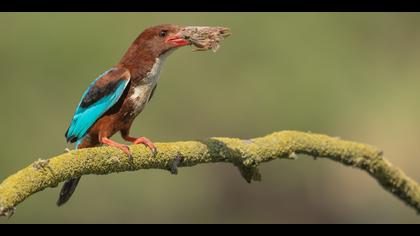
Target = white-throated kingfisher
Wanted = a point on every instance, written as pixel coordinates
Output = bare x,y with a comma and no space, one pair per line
115,98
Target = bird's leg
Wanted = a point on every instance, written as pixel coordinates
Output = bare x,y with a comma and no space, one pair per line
120,146
142,140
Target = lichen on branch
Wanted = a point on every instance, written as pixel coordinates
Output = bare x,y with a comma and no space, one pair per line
245,154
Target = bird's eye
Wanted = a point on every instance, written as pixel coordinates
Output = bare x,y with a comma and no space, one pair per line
163,33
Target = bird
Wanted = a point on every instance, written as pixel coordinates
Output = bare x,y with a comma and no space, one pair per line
116,97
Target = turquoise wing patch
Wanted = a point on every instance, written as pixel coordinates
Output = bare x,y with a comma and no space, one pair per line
95,102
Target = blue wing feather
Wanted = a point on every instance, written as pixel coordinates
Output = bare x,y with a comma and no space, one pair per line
85,117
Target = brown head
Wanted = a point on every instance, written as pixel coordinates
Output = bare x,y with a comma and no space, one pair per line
160,39
155,41
151,44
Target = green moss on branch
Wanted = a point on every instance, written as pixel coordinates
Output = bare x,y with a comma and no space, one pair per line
245,154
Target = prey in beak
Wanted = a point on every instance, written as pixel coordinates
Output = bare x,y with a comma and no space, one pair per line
202,37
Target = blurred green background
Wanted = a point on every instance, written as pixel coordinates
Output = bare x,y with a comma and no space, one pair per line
353,75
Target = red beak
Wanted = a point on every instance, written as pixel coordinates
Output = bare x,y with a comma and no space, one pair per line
177,40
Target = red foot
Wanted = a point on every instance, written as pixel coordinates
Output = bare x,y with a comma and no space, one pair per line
144,141
122,147
148,144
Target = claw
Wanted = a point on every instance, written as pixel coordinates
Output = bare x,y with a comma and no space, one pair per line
122,147
127,151
154,151
148,144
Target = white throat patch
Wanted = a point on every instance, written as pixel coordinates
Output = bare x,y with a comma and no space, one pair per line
142,92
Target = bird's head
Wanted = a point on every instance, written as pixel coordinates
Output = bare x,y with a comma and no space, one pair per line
162,38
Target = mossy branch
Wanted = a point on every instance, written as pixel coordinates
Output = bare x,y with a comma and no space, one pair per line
245,154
